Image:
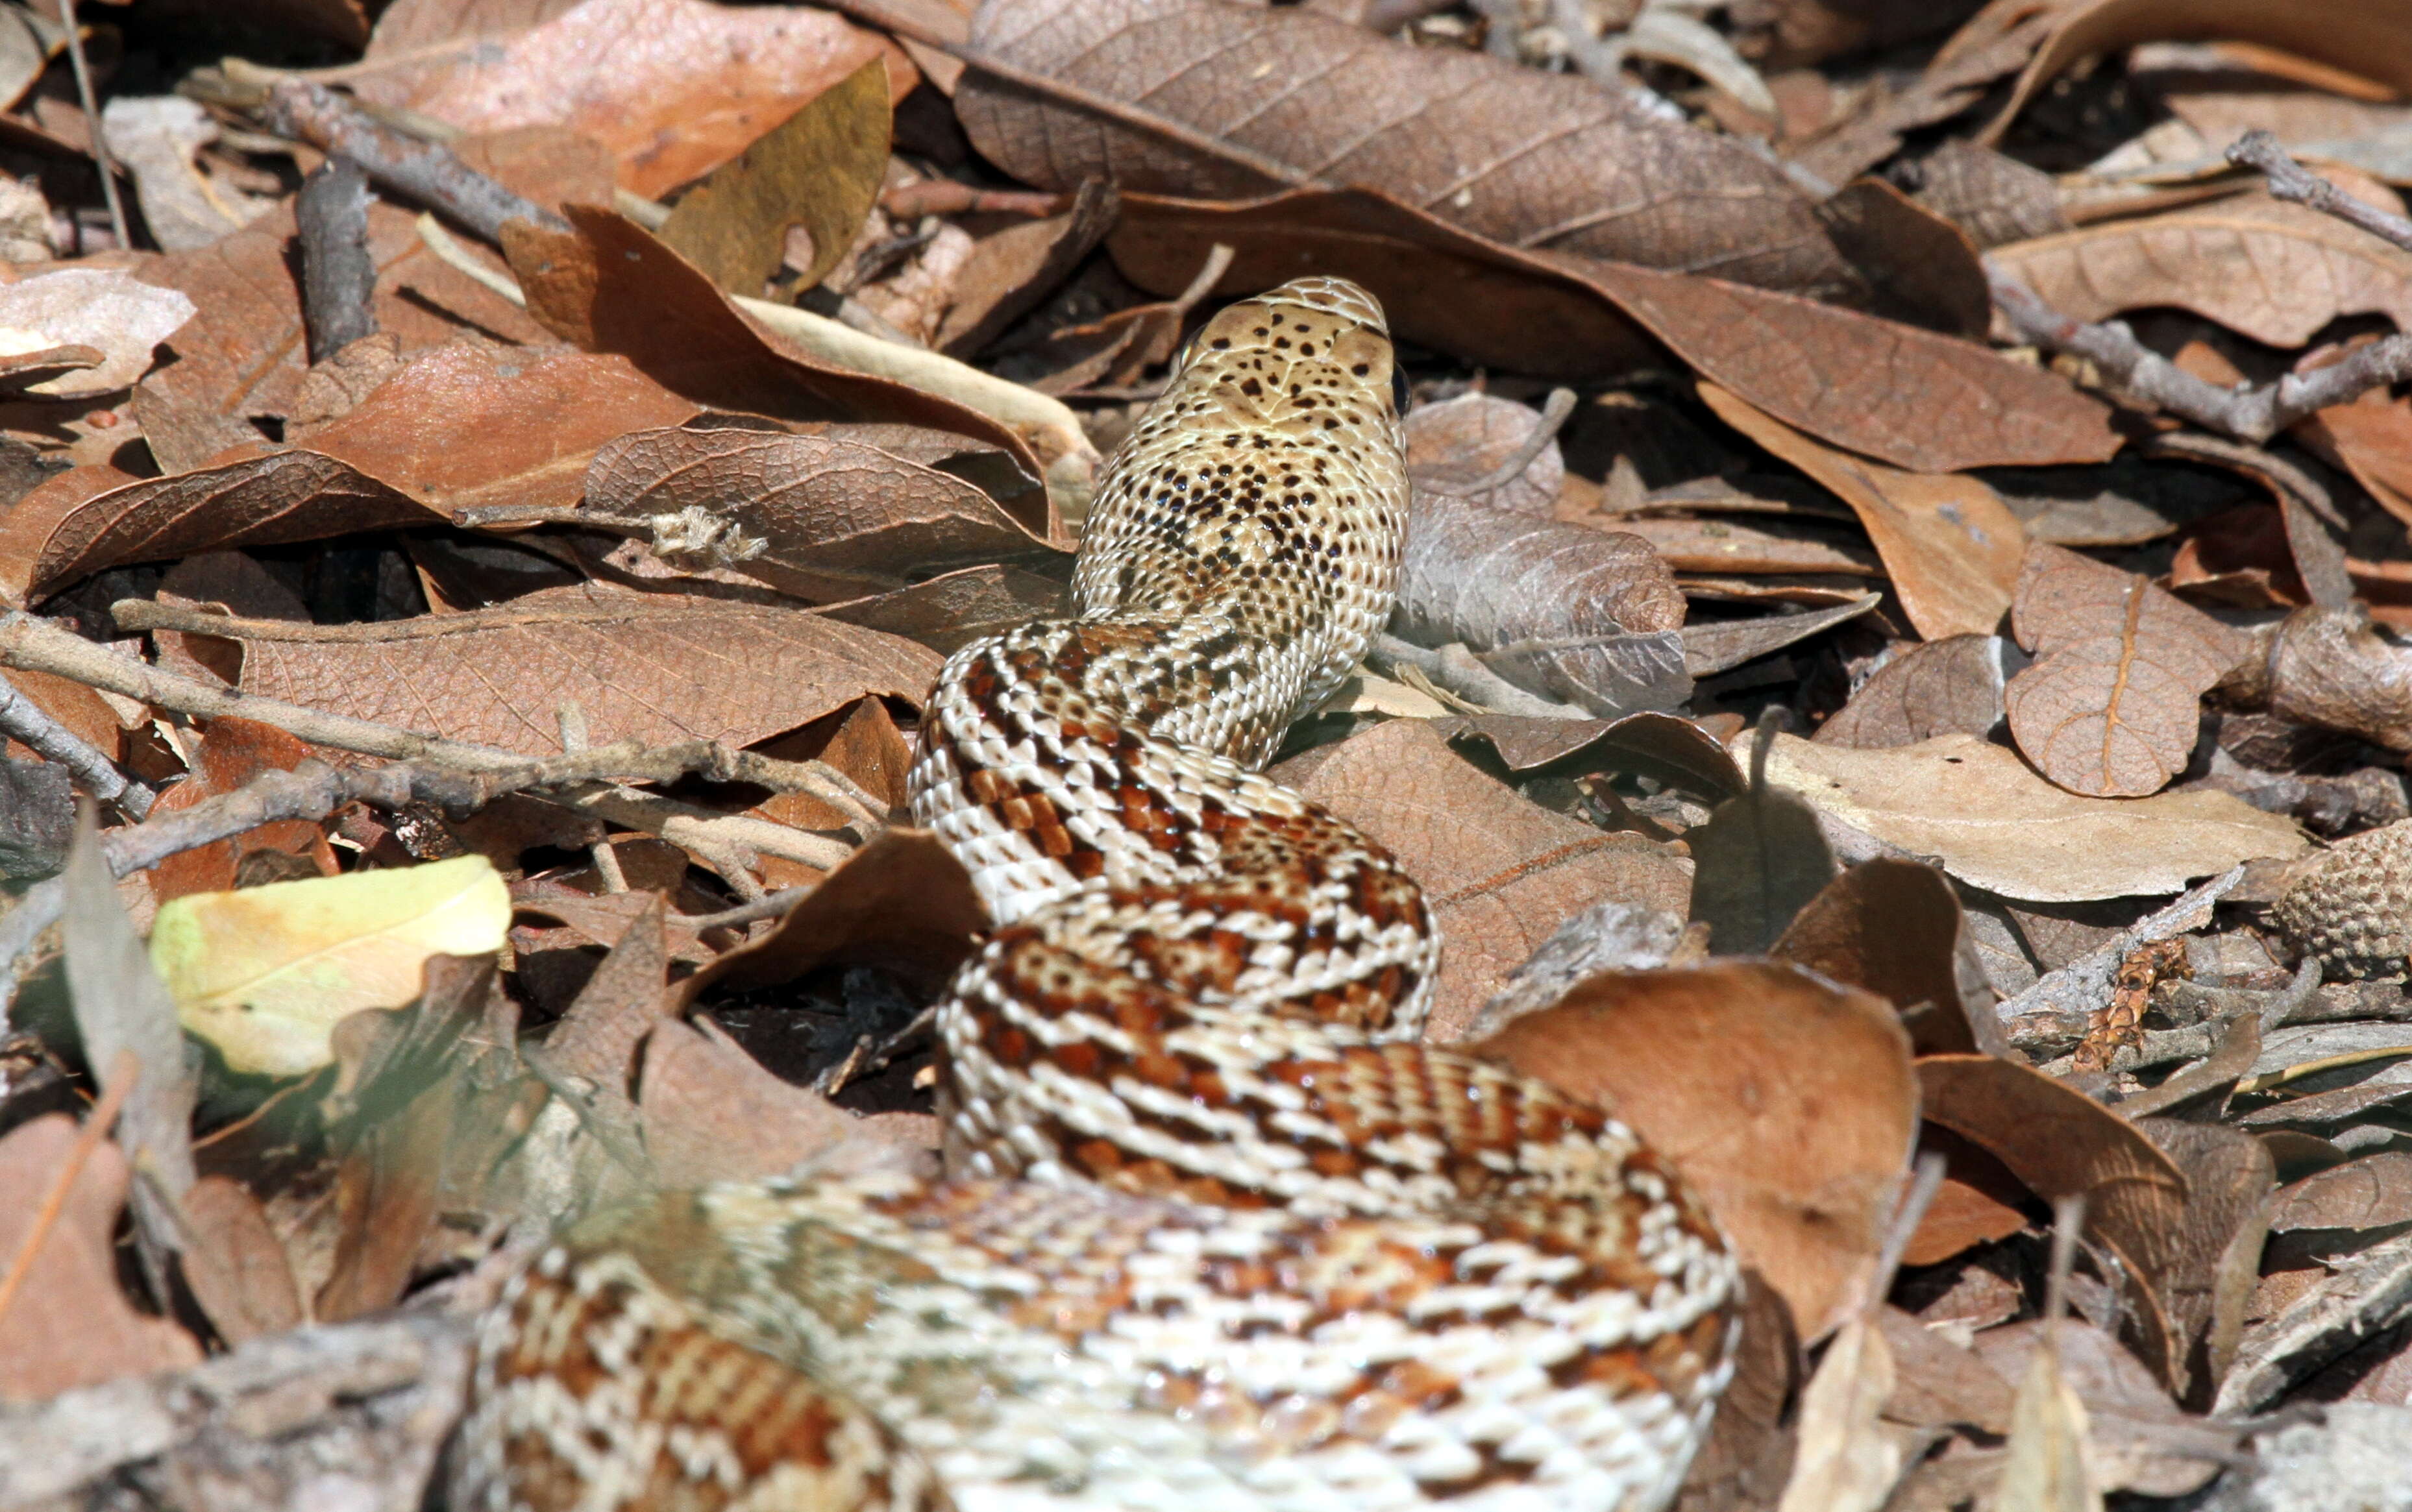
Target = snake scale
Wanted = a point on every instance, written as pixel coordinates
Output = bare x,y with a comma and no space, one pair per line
1216,1234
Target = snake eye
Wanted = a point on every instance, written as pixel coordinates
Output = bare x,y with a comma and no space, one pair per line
1188,349
1398,389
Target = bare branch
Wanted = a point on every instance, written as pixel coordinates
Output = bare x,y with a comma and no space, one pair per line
424,172
2299,185
27,723
2250,412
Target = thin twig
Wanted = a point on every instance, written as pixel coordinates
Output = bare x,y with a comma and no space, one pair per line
2251,412
29,724
425,172
100,155
573,720
122,1073
2297,184
1554,418
769,905
338,275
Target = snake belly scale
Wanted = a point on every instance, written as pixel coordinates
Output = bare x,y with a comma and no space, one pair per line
1216,1233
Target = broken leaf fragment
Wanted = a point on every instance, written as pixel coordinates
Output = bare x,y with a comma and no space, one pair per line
265,974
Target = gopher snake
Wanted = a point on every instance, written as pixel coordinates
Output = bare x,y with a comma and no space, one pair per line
1218,1235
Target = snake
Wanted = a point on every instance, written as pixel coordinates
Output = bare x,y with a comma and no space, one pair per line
1213,1229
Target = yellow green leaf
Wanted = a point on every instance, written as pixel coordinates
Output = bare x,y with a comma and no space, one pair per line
267,973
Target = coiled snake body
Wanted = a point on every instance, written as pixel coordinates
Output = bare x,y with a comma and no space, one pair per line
1217,1235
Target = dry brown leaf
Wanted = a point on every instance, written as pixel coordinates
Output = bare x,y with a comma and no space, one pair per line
1460,441
1535,160
1499,871
2061,1143
1979,1202
1895,928
2048,1464
1757,862
73,1275
1949,544
2333,668
611,286
263,499
1010,270
1837,373
2112,705
2229,1175
244,353
2135,1438
1924,269
1667,748
712,1113
2273,271
1986,818
674,88
597,1036
2371,1193
114,316
950,610
1845,1461
1935,688
639,667
1571,613
2370,438
835,519
235,1264
818,171
1747,1456
1786,1101
232,753
1734,545
1938,1382
901,903
2365,40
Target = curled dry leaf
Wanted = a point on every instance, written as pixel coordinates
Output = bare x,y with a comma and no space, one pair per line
1949,544
611,286
106,310
902,902
258,500
834,519
2047,1465
1785,1100
1569,612
2271,270
2061,1143
2334,668
674,88
236,1265
1894,928
1984,817
1758,860
266,973
2112,703
1845,1461
1011,270
73,1275
2364,41
1836,374
2134,1437
1500,871
820,170
640,669
2371,1193
1939,687
1460,441
2217,1252
1289,97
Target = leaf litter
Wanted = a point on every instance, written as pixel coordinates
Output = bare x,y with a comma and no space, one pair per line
1801,725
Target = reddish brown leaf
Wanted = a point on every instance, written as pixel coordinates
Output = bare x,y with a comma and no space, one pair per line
1836,374
901,901
609,287
1933,689
2061,1143
1786,1101
264,499
73,1276
1535,160
674,88
1949,542
1012,270
244,353
232,753
1895,928
836,519
2112,705
639,669
1499,871
2370,438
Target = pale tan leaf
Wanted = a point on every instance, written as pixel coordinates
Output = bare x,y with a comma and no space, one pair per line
1846,1462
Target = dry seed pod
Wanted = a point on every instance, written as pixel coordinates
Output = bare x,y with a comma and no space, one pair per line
2353,908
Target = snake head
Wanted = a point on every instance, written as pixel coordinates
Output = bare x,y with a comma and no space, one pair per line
1297,347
